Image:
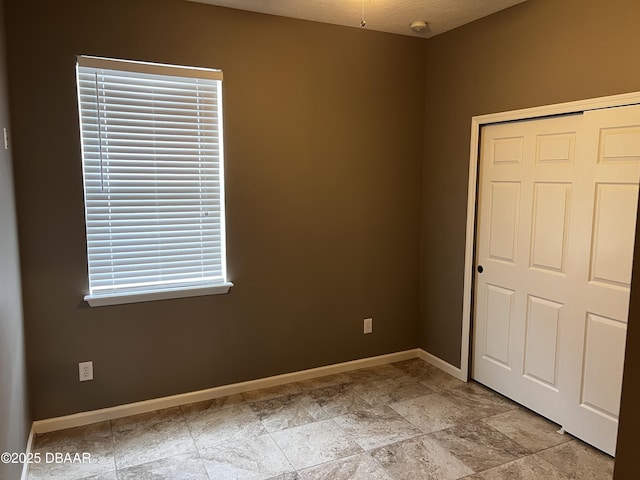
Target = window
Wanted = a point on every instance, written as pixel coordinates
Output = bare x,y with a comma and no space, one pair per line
152,156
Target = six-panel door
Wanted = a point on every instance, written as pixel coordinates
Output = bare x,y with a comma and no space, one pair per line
556,225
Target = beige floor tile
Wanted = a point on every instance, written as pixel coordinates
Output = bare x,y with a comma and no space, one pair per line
418,458
358,467
479,446
315,443
251,459
288,411
323,382
378,372
408,420
103,476
531,467
151,436
215,404
180,467
96,440
376,426
580,461
480,402
380,392
271,392
339,399
431,376
528,429
431,413
211,428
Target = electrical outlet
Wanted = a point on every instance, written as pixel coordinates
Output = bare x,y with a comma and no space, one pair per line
85,371
368,325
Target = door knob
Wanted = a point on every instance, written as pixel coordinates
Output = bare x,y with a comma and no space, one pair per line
480,269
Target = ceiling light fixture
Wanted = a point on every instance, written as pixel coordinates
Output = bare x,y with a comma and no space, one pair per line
418,26
363,22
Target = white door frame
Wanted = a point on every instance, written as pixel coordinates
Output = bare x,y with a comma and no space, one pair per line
476,124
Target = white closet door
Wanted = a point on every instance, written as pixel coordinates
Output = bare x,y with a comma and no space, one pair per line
604,240
526,202
555,237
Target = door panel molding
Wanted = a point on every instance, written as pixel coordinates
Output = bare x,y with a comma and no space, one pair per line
477,123
563,345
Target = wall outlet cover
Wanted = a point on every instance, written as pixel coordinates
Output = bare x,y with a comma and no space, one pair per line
368,325
85,371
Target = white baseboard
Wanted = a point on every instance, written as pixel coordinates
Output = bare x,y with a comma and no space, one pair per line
442,365
111,413
86,418
25,465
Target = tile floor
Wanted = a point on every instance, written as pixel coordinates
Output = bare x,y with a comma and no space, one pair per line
406,420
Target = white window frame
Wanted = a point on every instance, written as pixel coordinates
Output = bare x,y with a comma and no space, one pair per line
122,164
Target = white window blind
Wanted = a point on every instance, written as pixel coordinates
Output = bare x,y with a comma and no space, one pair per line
152,155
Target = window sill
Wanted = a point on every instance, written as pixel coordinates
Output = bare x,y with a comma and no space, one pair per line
122,298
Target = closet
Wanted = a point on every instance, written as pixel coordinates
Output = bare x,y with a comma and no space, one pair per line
555,233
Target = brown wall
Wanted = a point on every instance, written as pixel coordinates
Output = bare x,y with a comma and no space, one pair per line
324,147
626,465
537,53
324,139
15,420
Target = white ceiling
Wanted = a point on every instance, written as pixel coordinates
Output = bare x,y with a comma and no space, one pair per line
393,16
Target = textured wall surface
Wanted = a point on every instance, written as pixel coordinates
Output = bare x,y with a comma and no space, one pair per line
539,52
15,420
324,134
